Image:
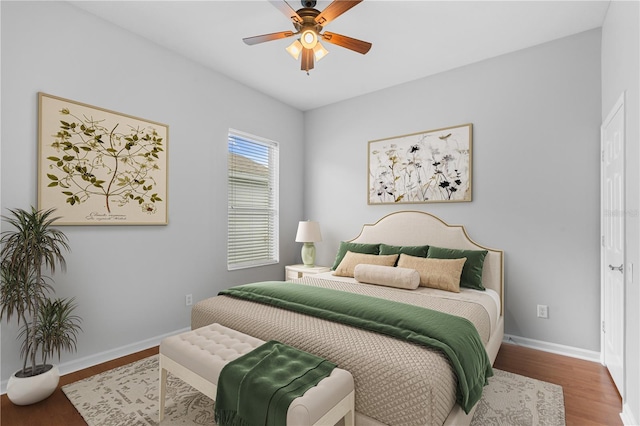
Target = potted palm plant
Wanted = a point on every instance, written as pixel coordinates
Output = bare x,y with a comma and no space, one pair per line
48,326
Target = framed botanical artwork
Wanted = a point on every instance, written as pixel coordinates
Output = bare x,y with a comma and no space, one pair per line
100,167
426,167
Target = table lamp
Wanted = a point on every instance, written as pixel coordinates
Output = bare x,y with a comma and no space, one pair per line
308,233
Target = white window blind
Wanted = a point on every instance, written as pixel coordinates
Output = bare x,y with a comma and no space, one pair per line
252,201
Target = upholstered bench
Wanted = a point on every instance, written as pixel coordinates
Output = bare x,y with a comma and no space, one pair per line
197,357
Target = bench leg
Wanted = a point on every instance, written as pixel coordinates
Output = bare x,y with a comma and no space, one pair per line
163,389
344,409
167,365
350,417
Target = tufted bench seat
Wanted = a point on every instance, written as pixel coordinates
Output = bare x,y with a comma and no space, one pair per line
197,357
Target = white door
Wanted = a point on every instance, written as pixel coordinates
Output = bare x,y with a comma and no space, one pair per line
613,243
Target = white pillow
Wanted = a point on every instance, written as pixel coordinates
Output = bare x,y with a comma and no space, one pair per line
387,275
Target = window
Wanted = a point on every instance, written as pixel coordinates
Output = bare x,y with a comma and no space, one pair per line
252,216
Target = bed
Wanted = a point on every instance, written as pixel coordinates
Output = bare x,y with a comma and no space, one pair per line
396,381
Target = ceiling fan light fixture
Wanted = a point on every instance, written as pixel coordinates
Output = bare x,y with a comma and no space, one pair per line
309,26
294,49
309,39
319,51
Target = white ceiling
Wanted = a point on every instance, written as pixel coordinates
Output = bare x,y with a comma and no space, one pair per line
411,39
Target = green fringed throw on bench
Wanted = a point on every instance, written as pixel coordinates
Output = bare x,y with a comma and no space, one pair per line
257,388
456,337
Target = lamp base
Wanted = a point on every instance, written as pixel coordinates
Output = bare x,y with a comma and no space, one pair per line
308,254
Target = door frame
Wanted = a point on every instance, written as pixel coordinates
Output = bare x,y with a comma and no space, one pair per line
619,105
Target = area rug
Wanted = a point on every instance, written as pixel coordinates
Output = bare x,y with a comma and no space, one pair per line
128,396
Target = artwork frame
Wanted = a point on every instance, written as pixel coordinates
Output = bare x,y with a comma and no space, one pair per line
101,167
433,166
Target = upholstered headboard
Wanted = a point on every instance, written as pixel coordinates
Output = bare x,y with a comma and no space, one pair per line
411,228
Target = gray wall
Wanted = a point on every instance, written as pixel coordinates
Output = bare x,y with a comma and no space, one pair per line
130,282
536,138
620,73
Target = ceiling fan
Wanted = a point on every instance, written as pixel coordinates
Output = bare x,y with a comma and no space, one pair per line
309,23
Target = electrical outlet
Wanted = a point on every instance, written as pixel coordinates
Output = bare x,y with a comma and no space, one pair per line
543,311
188,300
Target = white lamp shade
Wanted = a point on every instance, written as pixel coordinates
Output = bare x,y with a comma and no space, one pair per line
294,49
319,52
308,232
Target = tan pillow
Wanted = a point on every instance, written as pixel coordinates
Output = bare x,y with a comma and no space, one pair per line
351,259
389,276
443,274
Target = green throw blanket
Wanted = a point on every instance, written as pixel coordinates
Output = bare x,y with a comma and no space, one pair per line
455,336
257,388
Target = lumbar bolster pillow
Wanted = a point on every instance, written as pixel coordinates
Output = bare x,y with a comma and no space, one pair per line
387,275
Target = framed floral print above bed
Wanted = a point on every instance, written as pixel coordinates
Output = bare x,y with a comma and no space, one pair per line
426,167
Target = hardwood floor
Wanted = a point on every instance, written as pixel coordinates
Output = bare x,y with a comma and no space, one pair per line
590,397
589,394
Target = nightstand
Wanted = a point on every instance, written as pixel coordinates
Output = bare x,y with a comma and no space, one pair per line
291,272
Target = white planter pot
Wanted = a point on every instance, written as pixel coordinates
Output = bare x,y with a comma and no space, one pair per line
29,390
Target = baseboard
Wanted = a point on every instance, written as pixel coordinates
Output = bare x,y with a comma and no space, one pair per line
89,361
82,363
553,348
627,416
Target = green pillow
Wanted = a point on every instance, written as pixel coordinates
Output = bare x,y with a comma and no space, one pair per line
471,272
417,251
356,248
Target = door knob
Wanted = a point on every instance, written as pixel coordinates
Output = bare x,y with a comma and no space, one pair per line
616,268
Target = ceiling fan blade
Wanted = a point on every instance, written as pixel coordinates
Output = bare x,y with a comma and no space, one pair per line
347,42
335,9
307,60
287,10
267,37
